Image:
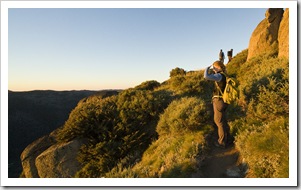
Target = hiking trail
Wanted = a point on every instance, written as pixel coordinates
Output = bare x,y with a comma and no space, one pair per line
222,162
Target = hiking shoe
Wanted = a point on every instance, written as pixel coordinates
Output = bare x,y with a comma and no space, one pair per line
216,144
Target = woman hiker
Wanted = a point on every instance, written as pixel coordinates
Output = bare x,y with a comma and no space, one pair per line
219,107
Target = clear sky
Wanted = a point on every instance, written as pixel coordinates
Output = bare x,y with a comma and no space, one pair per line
111,48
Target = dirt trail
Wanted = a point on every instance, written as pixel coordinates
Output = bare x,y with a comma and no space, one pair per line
221,163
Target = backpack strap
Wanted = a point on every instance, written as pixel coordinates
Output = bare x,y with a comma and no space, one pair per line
218,89
225,75
222,73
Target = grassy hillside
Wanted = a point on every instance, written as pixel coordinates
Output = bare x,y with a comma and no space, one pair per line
160,130
262,134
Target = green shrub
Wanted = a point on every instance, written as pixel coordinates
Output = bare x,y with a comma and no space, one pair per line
271,102
172,156
256,72
133,129
177,71
191,84
265,149
181,141
148,85
271,99
90,119
185,114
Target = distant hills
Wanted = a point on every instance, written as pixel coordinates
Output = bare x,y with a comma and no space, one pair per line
33,114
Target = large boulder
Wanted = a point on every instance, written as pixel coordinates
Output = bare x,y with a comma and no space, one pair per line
264,38
30,153
283,35
47,158
60,160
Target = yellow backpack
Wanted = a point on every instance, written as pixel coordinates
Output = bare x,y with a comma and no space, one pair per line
231,93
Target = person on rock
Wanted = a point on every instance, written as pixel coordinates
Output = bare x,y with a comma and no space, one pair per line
230,54
221,56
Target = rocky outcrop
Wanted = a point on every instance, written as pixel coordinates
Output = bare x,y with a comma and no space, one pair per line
30,153
59,161
46,158
283,35
264,38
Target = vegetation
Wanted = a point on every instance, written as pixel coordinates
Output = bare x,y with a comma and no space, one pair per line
262,134
181,141
159,130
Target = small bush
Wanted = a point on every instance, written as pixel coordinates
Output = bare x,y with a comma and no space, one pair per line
185,114
172,156
271,102
148,85
90,119
176,72
265,148
256,72
191,84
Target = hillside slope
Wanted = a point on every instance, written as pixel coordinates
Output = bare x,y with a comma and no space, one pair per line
163,130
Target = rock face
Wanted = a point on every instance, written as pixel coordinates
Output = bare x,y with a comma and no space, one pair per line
264,38
45,158
30,153
59,161
283,35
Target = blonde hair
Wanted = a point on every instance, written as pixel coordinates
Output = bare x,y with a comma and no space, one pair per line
220,65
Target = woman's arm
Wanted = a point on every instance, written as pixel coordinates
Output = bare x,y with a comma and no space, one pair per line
214,77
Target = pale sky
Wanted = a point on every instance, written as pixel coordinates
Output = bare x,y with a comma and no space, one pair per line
111,48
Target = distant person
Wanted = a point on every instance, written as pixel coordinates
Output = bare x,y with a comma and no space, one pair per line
229,54
219,107
221,56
